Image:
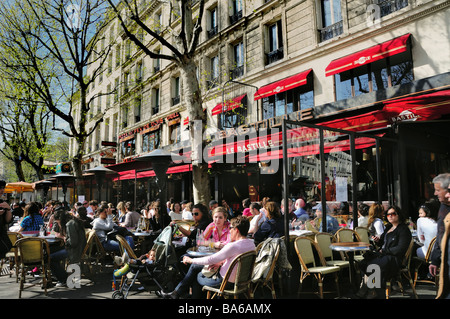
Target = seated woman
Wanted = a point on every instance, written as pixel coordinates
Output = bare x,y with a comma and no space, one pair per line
394,243
201,221
102,225
219,229
426,226
239,244
33,219
73,234
272,226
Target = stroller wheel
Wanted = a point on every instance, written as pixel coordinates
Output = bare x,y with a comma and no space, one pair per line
117,295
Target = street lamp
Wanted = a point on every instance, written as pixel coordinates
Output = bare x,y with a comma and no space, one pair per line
160,161
100,173
64,179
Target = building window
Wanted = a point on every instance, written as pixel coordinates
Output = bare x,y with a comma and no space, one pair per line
237,11
288,102
155,96
116,90
157,62
174,133
235,117
151,141
214,70
213,28
331,19
126,80
139,72
124,116
275,43
238,63
128,148
392,71
117,55
137,110
176,90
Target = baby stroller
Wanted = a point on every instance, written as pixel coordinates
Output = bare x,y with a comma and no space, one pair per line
160,275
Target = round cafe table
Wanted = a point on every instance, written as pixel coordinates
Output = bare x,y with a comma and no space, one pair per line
202,252
350,248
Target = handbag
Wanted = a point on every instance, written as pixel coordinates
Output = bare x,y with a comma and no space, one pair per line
210,272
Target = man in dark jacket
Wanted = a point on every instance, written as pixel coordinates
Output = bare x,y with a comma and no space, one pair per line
441,183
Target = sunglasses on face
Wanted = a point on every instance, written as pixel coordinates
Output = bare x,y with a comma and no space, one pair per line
195,214
391,214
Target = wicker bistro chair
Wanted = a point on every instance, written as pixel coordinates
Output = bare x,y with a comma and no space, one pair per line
13,255
244,264
404,271
420,262
304,248
93,254
324,240
363,233
34,252
346,235
125,247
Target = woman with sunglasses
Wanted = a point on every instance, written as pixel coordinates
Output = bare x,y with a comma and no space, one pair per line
394,243
201,221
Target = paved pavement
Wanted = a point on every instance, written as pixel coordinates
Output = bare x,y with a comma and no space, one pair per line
101,288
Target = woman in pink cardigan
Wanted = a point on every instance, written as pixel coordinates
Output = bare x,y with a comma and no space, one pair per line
239,244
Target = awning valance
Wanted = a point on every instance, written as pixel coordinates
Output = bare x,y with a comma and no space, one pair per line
286,84
369,55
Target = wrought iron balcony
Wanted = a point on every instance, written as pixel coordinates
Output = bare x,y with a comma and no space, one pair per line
331,31
275,55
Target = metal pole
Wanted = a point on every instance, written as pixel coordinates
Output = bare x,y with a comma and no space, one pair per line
354,181
322,189
378,164
285,187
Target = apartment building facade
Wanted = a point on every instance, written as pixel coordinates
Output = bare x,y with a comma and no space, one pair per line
338,63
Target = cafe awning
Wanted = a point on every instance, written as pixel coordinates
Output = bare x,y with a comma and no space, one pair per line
286,84
228,105
424,106
369,55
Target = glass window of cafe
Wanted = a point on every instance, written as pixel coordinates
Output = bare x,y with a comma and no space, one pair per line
128,148
304,164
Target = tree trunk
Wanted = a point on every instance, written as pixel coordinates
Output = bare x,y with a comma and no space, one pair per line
197,122
78,172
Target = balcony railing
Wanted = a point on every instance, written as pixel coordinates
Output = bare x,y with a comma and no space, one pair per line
275,55
235,17
175,100
331,31
390,6
237,72
212,32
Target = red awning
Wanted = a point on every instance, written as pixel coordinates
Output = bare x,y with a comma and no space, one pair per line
423,107
372,54
313,149
283,85
229,105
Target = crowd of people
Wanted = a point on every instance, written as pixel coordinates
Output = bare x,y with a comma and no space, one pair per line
234,232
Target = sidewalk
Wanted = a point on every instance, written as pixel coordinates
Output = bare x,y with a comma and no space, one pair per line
102,289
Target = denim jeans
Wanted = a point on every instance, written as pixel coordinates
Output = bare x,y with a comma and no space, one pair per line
195,279
57,268
113,245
